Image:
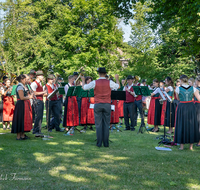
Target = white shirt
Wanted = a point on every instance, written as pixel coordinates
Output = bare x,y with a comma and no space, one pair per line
52,86
170,88
20,87
186,86
92,85
129,87
34,85
66,88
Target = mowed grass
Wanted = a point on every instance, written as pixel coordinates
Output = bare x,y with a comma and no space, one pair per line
74,162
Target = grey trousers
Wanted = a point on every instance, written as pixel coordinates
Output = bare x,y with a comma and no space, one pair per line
102,122
129,111
138,104
54,108
38,121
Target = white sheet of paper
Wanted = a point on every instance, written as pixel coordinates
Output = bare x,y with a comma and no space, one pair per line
91,106
113,107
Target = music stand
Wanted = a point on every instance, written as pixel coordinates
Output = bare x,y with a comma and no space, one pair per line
74,91
13,90
144,91
47,137
163,137
118,95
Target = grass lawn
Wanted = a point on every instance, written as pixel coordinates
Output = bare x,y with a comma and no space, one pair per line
74,162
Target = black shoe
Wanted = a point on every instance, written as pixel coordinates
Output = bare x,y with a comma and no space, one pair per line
39,135
61,130
126,129
91,128
4,128
133,129
26,137
50,130
21,138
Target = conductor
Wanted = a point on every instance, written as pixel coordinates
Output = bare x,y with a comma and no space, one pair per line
102,107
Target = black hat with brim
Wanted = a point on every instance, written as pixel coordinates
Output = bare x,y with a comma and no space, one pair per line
5,77
101,70
75,73
129,77
39,73
143,80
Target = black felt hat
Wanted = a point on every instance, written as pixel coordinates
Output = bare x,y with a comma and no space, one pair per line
101,70
143,80
75,73
129,77
5,77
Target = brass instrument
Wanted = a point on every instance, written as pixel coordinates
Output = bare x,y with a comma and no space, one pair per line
79,76
13,78
125,82
111,77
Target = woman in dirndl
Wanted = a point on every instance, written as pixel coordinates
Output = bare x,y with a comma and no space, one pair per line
155,108
22,118
87,118
8,104
197,105
186,126
169,118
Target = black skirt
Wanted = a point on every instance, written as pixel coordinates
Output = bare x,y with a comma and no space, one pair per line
186,127
158,112
167,114
197,105
18,118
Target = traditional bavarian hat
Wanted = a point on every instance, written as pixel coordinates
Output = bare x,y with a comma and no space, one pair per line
39,73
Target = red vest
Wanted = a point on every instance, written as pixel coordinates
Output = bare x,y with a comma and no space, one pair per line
102,91
50,90
39,89
129,98
140,96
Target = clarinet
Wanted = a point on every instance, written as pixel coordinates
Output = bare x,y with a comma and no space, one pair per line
35,102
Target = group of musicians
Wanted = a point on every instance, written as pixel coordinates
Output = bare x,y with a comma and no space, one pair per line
183,112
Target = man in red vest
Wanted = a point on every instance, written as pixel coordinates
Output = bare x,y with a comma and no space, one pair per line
102,107
39,92
129,104
52,105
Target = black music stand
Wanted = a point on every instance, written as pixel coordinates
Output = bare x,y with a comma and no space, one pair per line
144,91
164,138
74,91
118,95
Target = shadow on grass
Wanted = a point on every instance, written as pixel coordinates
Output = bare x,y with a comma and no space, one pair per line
74,162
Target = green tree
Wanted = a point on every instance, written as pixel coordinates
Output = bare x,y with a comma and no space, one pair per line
60,36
